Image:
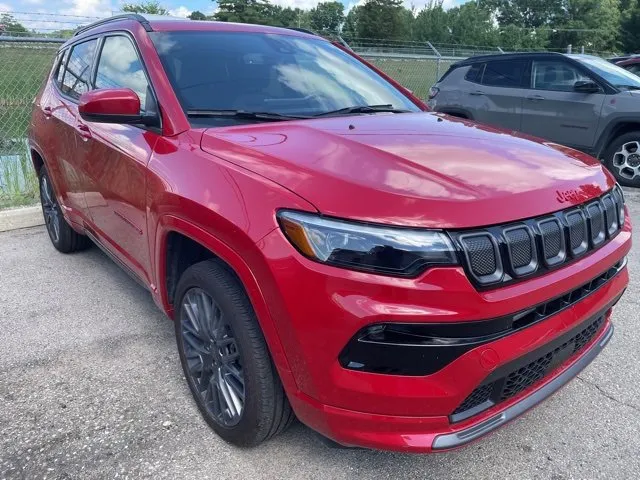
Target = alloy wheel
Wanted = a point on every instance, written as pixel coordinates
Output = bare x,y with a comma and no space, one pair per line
213,359
50,209
627,160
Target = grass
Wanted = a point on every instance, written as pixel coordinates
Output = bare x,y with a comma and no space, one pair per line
18,182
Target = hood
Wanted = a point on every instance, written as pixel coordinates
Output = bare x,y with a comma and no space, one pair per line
422,170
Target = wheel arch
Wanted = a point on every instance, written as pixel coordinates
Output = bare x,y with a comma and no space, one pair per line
456,112
175,234
613,131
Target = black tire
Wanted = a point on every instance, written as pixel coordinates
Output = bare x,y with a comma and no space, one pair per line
265,411
622,158
64,238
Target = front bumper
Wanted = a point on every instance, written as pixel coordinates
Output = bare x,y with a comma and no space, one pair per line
318,309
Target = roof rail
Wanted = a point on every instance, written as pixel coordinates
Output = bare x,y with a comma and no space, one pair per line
124,16
303,30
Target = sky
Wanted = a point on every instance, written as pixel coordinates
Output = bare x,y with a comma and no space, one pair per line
59,14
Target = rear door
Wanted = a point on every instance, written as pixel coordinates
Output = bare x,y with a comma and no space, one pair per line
494,92
554,111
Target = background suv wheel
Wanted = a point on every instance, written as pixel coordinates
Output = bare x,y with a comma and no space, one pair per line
622,158
64,238
225,358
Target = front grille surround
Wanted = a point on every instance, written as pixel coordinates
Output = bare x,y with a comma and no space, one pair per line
557,239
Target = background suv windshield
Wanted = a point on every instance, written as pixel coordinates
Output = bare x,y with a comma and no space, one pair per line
613,74
284,74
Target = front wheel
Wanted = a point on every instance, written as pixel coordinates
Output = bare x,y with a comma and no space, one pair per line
622,158
225,358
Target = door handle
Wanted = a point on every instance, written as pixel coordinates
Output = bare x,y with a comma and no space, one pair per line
83,131
535,98
477,93
48,111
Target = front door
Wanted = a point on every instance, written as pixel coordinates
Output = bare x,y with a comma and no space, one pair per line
554,111
117,162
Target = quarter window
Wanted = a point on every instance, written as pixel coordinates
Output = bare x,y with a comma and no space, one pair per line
504,73
474,74
77,76
60,67
555,75
120,67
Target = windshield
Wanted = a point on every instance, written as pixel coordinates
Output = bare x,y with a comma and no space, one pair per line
267,73
613,74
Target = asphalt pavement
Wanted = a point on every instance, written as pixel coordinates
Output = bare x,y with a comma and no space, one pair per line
91,387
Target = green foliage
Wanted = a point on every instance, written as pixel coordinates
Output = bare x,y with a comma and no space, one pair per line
10,26
630,26
382,19
18,182
197,15
326,17
244,11
151,7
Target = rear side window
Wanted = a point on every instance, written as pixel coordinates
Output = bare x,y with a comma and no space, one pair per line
474,74
60,66
77,76
504,73
120,67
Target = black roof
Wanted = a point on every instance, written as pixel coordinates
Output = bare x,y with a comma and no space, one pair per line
506,56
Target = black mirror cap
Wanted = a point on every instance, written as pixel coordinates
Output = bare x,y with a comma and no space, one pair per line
586,86
148,120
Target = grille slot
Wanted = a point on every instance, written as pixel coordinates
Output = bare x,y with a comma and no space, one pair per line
522,250
483,259
525,376
552,241
611,214
619,199
596,223
577,232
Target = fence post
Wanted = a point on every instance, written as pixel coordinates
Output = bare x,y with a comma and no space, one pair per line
500,50
569,48
582,49
344,43
435,50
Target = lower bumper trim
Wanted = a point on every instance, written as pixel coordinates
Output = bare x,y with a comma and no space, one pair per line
452,440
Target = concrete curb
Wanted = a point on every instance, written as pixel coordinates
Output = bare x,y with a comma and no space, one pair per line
23,217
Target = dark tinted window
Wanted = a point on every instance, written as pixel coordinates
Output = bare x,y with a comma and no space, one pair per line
504,73
474,74
120,67
77,76
257,72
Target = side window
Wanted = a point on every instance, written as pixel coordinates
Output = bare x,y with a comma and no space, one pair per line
504,73
634,68
62,60
77,76
555,75
120,67
474,74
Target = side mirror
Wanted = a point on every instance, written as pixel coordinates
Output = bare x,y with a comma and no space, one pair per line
113,105
586,86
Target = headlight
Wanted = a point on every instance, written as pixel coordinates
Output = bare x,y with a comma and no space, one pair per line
388,250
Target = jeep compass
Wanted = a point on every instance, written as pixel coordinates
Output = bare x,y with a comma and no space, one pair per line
327,248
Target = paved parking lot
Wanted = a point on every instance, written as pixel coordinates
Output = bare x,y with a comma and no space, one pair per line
91,387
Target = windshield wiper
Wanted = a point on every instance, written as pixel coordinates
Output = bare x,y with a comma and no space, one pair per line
267,116
363,109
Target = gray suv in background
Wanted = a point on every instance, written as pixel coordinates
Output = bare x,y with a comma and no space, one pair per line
580,101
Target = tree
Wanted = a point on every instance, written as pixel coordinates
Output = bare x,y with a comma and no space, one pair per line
151,7
350,27
327,16
472,25
381,19
630,27
9,26
591,23
244,11
196,15
529,14
432,23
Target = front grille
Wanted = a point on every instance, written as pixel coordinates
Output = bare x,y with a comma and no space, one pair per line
523,376
505,253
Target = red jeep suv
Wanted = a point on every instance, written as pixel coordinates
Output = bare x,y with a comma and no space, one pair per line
327,249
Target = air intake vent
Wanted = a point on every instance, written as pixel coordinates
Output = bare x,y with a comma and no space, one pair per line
552,241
